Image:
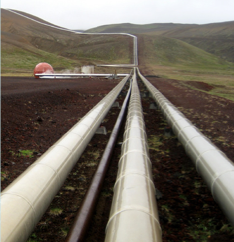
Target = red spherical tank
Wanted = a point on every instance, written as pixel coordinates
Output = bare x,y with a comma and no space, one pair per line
43,68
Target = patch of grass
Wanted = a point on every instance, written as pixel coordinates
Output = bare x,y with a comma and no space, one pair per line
204,229
168,214
18,60
221,79
227,228
25,153
107,193
33,238
91,164
155,142
4,175
55,211
186,203
70,188
64,232
95,154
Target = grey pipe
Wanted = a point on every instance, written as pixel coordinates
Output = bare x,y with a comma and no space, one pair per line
25,200
134,215
213,165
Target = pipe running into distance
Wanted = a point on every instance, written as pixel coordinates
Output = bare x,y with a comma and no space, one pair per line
213,165
25,200
82,220
134,215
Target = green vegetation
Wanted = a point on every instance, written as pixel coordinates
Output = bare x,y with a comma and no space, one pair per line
174,59
25,153
167,212
33,238
155,142
182,58
18,60
64,231
204,229
216,38
70,188
165,50
55,211
4,175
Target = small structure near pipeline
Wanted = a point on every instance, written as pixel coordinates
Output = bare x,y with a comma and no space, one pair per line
43,68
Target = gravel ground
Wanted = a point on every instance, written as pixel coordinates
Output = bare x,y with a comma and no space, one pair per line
36,113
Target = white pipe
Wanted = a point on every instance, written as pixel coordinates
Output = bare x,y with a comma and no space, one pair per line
25,200
79,75
213,165
134,215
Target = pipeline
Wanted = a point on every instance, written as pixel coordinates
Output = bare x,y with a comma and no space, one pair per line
84,216
25,200
134,215
211,163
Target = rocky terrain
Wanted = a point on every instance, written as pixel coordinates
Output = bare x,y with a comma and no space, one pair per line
36,113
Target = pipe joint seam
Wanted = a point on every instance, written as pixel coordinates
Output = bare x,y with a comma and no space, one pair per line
217,177
129,173
140,209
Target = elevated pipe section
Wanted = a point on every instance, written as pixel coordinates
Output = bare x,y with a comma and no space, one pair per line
25,200
134,215
135,50
213,165
82,220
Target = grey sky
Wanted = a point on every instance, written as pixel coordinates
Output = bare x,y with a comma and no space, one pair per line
85,14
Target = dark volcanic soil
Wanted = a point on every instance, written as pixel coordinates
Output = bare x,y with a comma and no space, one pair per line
36,113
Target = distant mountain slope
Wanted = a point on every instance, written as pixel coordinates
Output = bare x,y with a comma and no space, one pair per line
138,28
216,38
25,43
160,50
32,17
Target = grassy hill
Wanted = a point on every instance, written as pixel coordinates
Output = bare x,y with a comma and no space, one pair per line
25,43
175,59
216,38
138,28
162,49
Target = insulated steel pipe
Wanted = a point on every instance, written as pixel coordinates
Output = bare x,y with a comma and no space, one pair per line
84,216
134,215
213,165
25,200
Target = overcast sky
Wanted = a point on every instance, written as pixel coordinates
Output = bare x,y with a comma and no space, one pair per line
85,14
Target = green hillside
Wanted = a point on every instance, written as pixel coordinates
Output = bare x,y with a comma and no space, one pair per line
25,43
162,50
216,38
138,28
172,52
